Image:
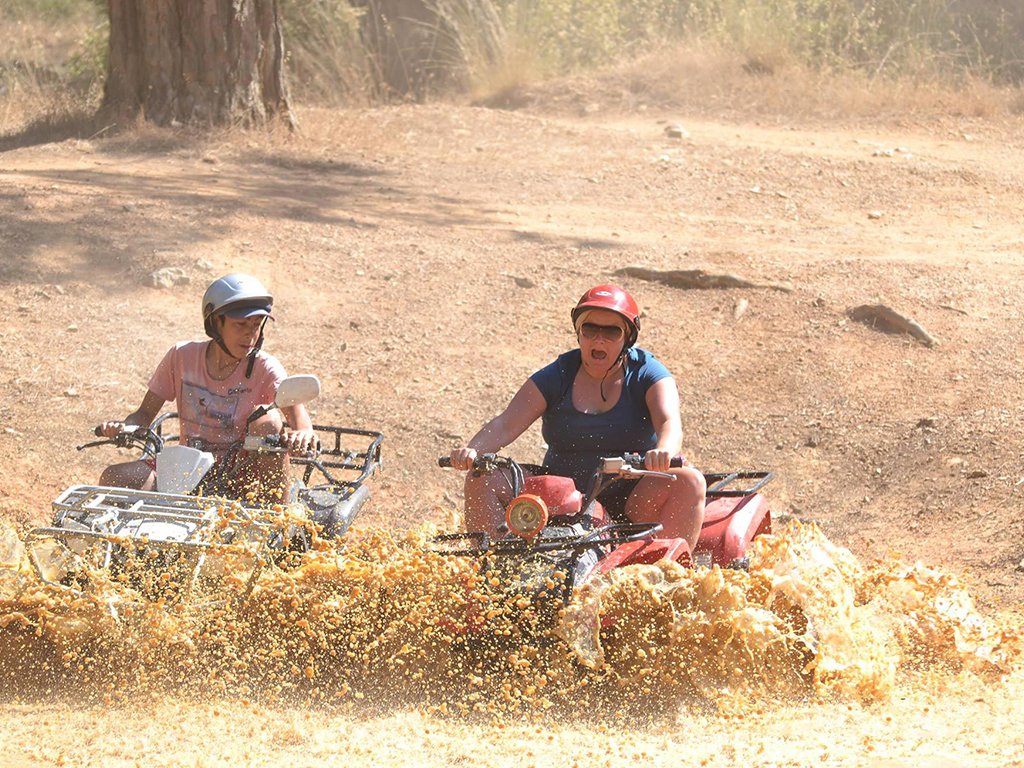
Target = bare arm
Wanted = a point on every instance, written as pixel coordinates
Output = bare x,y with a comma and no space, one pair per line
297,417
141,417
663,404
526,407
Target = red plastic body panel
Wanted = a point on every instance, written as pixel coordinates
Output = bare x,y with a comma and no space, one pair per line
559,493
649,551
730,524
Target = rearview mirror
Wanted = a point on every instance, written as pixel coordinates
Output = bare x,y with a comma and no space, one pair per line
296,390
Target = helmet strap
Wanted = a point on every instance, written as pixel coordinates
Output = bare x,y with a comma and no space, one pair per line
251,356
618,360
223,346
255,351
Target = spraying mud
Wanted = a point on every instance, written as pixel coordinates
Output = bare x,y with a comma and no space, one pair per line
380,622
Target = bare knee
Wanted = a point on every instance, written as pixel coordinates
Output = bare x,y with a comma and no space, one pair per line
485,483
269,423
132,474
691,482
485,502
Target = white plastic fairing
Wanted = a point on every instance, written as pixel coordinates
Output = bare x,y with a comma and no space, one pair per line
179,469
295,390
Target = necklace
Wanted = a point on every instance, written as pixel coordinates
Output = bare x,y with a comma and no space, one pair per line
217,367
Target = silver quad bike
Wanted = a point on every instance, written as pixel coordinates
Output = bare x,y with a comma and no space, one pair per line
181,542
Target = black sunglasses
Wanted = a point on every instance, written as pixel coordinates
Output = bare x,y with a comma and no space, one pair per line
607,332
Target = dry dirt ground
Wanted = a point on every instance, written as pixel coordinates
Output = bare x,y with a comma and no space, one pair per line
424,261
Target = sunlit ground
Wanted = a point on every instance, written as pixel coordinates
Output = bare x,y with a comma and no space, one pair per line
386,654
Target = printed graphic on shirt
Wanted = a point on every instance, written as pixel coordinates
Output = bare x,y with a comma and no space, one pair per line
211,416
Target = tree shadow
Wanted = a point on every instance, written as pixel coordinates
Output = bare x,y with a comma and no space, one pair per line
582,243
50,129
113,211
110,223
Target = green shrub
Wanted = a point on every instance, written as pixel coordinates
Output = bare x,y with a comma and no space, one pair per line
881,37
899,37
569,35
88,63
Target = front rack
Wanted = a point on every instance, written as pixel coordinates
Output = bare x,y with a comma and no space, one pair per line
479,543
338,458
718,483
363,462
90,499
114,522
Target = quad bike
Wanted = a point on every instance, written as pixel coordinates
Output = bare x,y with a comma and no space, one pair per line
556,539
174,542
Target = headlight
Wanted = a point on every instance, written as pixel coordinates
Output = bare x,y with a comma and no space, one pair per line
526,515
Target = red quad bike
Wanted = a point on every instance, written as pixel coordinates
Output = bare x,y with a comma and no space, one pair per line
553,530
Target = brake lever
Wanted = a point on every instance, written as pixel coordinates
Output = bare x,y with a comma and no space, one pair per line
93,444
629,472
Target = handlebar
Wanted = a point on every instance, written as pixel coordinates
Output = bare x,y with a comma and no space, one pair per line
273,444
151,443
484,462
628,464
632,465
130,436
637,460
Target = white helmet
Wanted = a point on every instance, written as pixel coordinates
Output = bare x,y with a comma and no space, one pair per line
236,295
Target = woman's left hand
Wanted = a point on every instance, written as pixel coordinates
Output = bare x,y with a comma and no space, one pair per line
658,460
299,440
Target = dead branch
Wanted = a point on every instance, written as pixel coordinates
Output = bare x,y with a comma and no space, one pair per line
697,278
888,320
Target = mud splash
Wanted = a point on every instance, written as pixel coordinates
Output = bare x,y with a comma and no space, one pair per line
381,622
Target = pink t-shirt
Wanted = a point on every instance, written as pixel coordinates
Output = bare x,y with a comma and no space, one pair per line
214,411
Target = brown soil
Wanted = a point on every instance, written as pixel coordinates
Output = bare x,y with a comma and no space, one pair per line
425,259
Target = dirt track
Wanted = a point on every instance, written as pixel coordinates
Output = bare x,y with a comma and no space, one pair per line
424,261
399,242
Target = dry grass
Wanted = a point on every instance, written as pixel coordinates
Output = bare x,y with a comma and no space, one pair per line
711,81
45,79
46,92
328,65
42,41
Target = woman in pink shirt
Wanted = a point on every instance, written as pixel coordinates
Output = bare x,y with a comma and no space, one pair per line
216,385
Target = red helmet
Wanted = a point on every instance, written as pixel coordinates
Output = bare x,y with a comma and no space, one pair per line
616,300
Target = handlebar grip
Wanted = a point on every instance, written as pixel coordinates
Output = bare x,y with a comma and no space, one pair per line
445,461
637,460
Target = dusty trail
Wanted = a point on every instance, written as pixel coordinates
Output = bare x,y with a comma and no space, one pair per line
917,729
653,660
393,239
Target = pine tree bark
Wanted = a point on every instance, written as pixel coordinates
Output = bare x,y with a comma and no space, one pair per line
205,62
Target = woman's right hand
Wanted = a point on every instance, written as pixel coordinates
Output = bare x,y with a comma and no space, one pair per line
110,428
462,458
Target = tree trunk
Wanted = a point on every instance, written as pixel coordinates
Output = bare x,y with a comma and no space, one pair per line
206,62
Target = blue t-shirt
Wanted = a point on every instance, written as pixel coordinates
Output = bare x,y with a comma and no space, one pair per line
576,440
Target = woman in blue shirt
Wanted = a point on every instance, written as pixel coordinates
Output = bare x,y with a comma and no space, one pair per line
606,398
